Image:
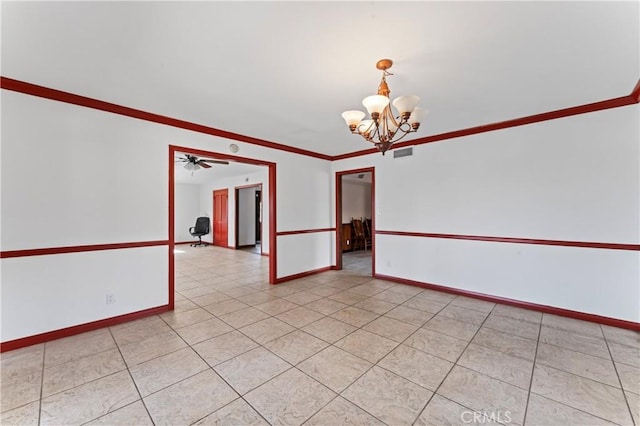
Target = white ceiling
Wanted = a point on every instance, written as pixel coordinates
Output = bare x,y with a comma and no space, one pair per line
284,71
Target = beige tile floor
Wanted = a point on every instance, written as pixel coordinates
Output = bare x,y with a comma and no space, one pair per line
331,349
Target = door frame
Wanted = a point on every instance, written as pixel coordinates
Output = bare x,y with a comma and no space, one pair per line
338,191
273,253
237,214
213,218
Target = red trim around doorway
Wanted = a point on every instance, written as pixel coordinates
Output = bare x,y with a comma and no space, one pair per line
338,218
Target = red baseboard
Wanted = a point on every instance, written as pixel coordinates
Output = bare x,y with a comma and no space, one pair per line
77,329
302,274
613,322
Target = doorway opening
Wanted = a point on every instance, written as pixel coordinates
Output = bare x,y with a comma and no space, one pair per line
249,218
234,161
355,221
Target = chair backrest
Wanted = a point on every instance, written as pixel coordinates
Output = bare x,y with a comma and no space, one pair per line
357,228
202,225
367,228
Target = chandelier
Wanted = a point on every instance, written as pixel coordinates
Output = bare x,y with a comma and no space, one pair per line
383,129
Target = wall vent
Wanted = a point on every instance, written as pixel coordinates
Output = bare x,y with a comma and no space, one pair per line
404,152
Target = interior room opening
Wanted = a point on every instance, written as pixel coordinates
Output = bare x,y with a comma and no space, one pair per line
355,221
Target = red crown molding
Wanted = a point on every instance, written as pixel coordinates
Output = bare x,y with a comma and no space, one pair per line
58,95
70,98
630,99
78,249
613,322
586,244
304,231
77,329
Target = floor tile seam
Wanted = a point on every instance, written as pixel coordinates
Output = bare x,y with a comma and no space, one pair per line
373,364
357,327
573,408
511,333
609,341
444,314
472,309
43,396
209,367
408,379
455,363
490,376
44,349
177,330
244,325
403,321
174,328
515,317
615,367
538,362
132,381
533,370
457,403
585,378
576,350
110,412
341,393
501,351
48,367
550,316
273,378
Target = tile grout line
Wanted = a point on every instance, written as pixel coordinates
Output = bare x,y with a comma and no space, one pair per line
130,376
44,353
455,363
615,367
533,369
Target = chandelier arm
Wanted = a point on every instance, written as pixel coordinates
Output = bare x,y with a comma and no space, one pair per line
403,136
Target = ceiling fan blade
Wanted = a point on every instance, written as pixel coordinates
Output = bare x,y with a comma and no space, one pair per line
215,161
202,164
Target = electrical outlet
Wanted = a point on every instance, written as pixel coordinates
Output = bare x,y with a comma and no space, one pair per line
111,298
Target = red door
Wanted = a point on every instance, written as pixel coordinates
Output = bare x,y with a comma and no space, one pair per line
220,233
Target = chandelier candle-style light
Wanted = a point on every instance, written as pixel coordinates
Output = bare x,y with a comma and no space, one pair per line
383,129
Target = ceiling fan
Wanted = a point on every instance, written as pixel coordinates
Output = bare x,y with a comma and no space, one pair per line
194,163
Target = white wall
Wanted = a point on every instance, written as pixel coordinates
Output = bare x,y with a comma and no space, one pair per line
571,179
356,200
186,210
88,177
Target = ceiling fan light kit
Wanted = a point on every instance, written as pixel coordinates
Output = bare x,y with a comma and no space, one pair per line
194,163
383,129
